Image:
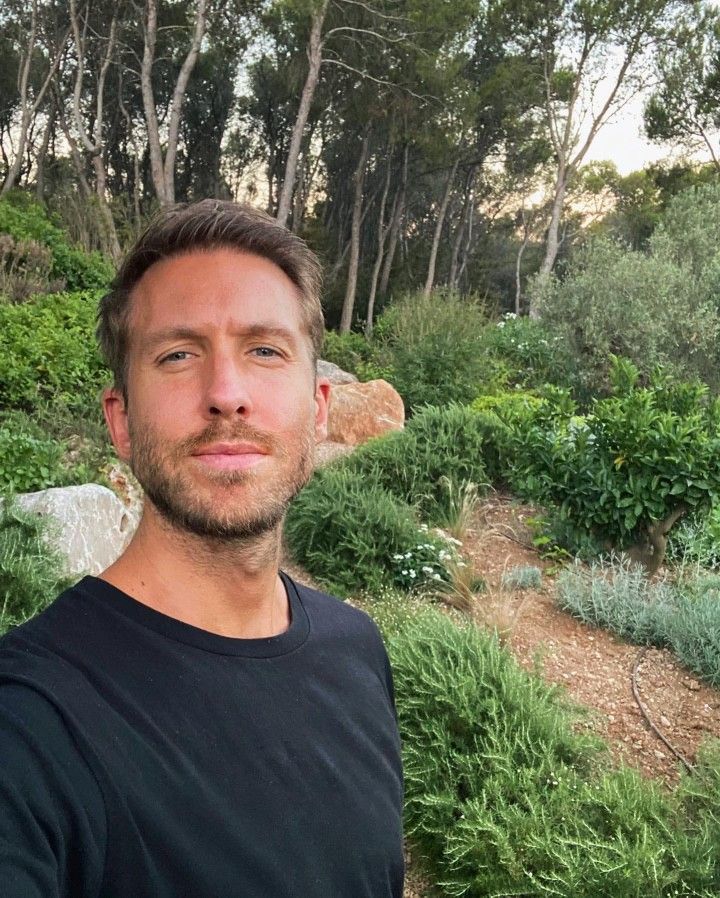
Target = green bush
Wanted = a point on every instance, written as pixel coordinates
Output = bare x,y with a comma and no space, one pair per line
620,472
352,535
432,347
696,539
436,443
684,617
29,460
522,576
656,308
77,269
48,353
353,353
504,798
530,352
30,570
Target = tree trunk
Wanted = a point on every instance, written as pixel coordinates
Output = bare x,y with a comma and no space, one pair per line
314,54
381,235
29,109
395,222
358,180
162,170
457,243
430,280
552,240
42,155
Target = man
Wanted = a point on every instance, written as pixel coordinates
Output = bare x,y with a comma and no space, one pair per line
192,722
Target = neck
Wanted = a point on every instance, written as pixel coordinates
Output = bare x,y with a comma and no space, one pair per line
228,587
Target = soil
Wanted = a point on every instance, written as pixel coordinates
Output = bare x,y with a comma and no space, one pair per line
593,666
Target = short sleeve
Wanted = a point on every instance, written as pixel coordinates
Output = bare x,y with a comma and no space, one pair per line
52,815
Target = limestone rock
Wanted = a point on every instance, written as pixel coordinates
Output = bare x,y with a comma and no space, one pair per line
360,411
334,373
92,524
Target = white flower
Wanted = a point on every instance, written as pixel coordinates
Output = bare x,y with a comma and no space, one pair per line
412,575
427,570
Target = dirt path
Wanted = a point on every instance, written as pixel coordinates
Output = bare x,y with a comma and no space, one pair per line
594,666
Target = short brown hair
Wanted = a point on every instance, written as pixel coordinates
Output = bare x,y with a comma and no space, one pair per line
207,224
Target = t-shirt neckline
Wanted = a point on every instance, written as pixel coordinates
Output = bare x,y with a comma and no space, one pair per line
179,631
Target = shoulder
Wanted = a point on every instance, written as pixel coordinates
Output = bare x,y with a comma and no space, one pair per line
334,613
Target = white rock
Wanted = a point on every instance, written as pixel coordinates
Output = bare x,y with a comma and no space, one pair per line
92,524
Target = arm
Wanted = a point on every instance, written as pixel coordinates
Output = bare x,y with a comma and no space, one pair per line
52,817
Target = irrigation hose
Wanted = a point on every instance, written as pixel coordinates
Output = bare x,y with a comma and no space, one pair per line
636,695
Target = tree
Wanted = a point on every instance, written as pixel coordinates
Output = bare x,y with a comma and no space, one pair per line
162,165
589,60
686,105
46,55
94,143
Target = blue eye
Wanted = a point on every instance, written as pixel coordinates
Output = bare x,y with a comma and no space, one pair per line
265,352
178,356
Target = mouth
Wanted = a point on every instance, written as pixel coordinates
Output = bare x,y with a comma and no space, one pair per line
230,456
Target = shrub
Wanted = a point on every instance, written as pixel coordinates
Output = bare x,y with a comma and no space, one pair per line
619,597
504,798
29,460
30,570
628,469
696,539
433,348
527,350
77,269
48,353
352,535
656,308
439,451
522,577
353,353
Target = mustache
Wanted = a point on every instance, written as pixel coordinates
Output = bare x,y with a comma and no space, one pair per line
222,433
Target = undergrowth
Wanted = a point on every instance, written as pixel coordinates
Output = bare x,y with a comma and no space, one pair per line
507,795
684,616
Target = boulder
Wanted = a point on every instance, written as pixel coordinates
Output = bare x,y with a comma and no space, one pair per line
360,411
92,524
334,373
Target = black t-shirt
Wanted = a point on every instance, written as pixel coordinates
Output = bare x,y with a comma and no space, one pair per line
141,757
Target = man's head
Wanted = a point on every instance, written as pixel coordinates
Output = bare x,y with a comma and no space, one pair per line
212,335
208,224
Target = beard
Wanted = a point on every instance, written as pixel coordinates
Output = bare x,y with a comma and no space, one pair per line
193,508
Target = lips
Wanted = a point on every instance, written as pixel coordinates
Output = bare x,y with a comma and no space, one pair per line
230,456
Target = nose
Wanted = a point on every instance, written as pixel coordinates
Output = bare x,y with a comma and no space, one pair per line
227,390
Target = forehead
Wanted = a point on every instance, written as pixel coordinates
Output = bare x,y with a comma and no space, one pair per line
214,287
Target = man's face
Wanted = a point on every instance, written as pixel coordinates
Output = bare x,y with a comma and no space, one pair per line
223,410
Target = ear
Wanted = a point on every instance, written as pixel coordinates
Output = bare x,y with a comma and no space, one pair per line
322,403
116,418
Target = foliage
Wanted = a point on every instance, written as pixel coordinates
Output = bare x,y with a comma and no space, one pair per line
503,797
76,269
635,459
433,349
696,539
530,353
353,353
522,577
655,308
30,569
48,353
353,535
618,596
29,460
25,269
430,462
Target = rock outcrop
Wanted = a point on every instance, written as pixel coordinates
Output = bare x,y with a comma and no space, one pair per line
360,411
93,525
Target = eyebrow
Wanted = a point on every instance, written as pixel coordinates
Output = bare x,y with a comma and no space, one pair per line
260,330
